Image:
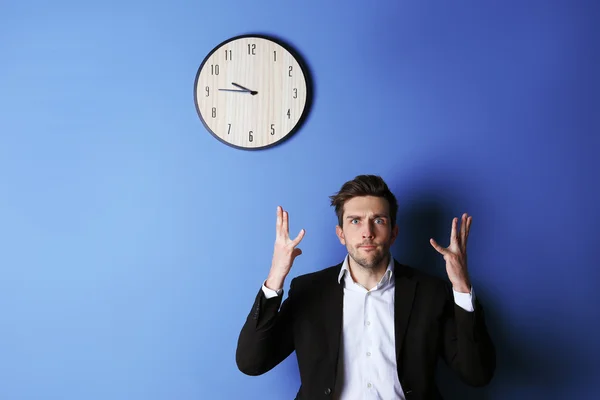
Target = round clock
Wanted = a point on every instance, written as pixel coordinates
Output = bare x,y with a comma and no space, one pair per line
252,91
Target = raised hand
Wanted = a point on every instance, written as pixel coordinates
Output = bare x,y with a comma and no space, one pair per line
455,255
285,251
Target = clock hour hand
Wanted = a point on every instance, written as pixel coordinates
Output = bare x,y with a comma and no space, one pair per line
252,92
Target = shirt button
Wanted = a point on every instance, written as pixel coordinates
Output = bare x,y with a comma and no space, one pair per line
368,354
369,385
328,391
368,323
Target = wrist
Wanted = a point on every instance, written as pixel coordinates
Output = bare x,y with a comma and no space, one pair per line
462,287
274,282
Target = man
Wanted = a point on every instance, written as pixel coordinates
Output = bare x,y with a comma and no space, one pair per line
369,327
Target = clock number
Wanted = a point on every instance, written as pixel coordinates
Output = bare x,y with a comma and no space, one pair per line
228,54
214,112
229,129
207,91
289,114
295,93
274,55
251,138
290,71
272,129
214,69
251,48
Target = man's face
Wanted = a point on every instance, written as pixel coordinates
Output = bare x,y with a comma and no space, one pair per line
367,230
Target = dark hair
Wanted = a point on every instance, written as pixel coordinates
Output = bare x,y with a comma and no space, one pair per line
364,185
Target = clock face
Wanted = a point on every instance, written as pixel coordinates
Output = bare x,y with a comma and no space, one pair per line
252,92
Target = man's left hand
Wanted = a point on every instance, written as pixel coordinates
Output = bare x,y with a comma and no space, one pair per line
456,254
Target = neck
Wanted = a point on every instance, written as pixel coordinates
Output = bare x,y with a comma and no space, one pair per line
367,277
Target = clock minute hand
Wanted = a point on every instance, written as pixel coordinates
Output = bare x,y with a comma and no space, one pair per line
234,90
252,92
239,91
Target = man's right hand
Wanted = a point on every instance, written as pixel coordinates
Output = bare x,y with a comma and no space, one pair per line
285,251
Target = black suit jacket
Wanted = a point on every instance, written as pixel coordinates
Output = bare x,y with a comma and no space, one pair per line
428,324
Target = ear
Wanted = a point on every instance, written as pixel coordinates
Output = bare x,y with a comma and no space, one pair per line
340,234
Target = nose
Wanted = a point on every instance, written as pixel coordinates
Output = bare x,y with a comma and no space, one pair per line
368,231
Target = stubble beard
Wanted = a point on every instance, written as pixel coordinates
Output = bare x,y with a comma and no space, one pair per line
367,262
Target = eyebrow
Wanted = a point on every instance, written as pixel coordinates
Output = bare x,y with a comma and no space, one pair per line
374,216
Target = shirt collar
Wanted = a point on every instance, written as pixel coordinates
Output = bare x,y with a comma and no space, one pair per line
346,269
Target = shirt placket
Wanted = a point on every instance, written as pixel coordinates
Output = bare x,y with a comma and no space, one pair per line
369,344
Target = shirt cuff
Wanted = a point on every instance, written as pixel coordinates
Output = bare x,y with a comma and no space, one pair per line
465,300
270,293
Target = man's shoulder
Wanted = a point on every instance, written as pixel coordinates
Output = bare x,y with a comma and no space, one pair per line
325,275
417,275
330,275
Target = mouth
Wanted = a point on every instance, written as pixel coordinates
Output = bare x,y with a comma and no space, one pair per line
368,247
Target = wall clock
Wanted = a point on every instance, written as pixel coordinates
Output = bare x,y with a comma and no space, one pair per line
252,91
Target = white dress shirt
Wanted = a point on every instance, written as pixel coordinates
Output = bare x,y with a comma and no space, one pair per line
367,368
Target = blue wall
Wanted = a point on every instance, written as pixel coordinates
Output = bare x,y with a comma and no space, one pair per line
132,243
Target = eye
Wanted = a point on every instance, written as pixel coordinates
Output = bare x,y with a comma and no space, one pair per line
380,221
354,221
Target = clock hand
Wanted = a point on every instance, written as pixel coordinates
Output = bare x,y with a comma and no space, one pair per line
240,86
252,92
234,90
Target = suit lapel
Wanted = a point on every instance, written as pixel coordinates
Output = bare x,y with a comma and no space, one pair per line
332,311
404,296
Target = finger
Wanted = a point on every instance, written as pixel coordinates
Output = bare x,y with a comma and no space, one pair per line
463,228
278,221
453,234
436,246
298,239
286,224
469,220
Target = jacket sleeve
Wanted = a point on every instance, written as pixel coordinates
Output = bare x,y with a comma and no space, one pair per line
468,348
266,339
